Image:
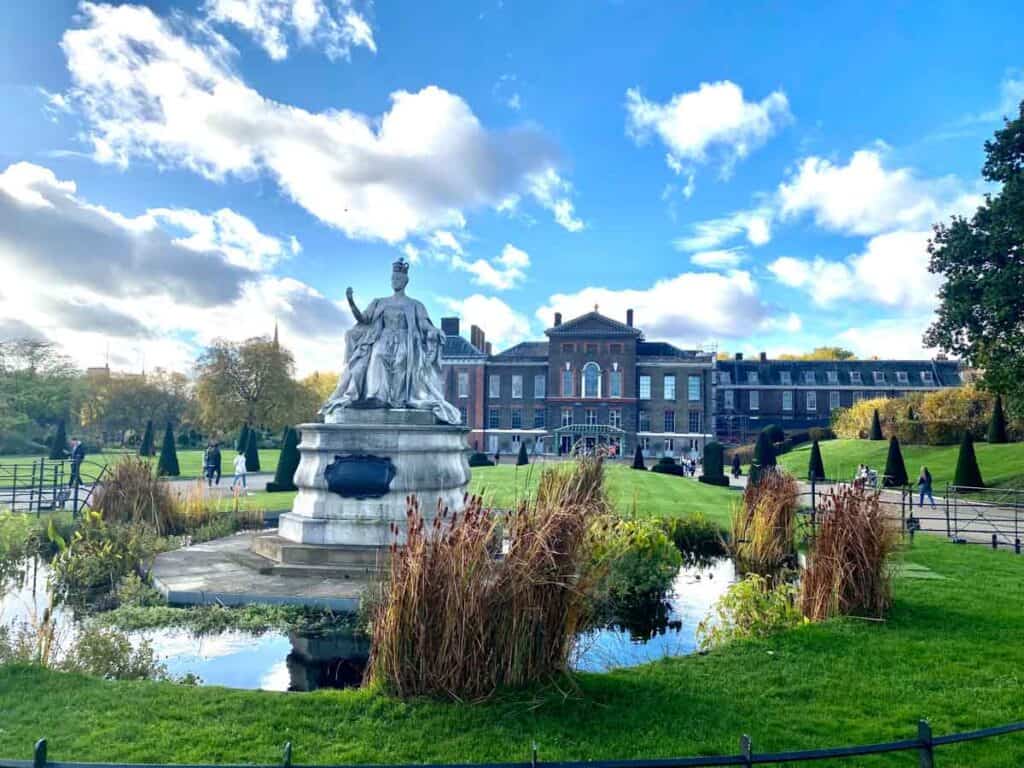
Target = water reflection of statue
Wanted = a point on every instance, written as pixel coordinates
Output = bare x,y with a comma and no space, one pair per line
392,356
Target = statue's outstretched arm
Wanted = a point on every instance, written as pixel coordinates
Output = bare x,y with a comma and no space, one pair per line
352,305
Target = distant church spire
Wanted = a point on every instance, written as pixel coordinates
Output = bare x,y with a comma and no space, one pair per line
276,345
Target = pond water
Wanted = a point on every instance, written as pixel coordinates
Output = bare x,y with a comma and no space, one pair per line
279,661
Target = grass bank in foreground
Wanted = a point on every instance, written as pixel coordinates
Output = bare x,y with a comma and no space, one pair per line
946,653
1001,465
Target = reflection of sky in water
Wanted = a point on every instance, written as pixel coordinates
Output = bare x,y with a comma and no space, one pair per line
242,660
694,592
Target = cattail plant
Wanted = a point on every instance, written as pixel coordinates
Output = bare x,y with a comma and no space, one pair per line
849,566
479,600
763,537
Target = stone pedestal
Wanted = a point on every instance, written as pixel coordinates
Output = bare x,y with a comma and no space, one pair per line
420,456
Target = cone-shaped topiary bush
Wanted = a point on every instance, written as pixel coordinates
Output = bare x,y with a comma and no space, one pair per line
147,447
876,427
911,416
287,463
713,465
997,427
895,468
638,458
252,452
967,472
59,444
764,456
243,438
168,461
815,467
522,458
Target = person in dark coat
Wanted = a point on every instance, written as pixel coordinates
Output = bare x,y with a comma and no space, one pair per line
736,471
77,457
924,485
211,464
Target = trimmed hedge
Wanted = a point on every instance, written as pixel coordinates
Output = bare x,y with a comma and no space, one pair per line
667,466
479,459
287,463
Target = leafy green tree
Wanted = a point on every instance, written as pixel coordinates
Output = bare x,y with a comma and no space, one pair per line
252,452
523,458
815,467
638,458
167,464
895,469
39,387
981,260
59,444
876,427
764,456
822,353
146,447
287,463
997,427
968,474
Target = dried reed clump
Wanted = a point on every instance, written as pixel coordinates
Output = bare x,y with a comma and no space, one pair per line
196,509
763,537
456,619
849,570
134,494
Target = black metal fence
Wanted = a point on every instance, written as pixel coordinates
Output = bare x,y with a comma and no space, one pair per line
48,485
924,744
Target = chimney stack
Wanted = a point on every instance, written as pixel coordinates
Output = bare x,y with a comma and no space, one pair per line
629,317
476,337
764,357
488,349
739,355
450,326
558,319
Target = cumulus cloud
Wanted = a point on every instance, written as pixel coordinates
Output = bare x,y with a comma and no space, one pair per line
898,338
755,224
688,308
714,122
503,325
171,96
863,197
312,22
892,270
506,271
86,275
726,257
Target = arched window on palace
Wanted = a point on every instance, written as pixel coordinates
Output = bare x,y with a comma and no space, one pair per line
591,380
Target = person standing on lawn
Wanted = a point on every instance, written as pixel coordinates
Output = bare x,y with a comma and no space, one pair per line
239,466
211,464
77,457
924,485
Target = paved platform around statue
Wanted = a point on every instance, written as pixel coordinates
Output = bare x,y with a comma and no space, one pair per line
226,572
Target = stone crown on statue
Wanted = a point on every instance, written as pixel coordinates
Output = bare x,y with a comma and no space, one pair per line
400,266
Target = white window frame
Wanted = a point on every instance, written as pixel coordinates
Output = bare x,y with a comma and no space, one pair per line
812,401
669,386
669,415
755,400
690,421
787,400
540,423
590,417
724,377
567,377
567,417
517,411
927,377
615,383
670,446
752,377
809,377
592,367
902,377
645,391
855,377
785,377
833,400
540,386
615,418
462,382
641,416
494,385
517,386
494,411
693,396
832,377
878,377
729,399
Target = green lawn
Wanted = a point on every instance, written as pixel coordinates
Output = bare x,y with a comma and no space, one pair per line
1001,465
949,653
189,461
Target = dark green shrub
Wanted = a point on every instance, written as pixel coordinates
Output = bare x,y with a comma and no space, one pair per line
876,427
59,443
167,464
820,434
815,467
696,537
714,473
287,463
252,452
638,458
968,474
997,427
775,433
146,447
911,416
243,438
479,459
636,559
666,465
895,470
522,459
764,456
750,608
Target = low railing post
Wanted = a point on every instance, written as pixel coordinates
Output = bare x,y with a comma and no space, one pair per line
746,750
39,754
287,761
533,755
926,751
14,487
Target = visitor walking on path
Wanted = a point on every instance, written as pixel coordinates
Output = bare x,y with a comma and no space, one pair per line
239,466
736,470
924,484
211,464
77,457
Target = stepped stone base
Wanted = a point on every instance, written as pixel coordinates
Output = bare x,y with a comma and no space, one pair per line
288,558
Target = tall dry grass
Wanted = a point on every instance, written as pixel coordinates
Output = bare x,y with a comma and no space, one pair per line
134,494
457,618
849,569
763,536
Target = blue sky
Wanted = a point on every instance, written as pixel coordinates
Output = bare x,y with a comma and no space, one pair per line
757,176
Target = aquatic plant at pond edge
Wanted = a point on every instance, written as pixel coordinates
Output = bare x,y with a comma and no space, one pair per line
763,536
634,559
751,608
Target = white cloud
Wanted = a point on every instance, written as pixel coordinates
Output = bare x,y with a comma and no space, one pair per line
502,324
689,308
507,271
443,240
895,338
146,91
709,234
892,271
229,233
715,120
864,198
727,257
271,22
